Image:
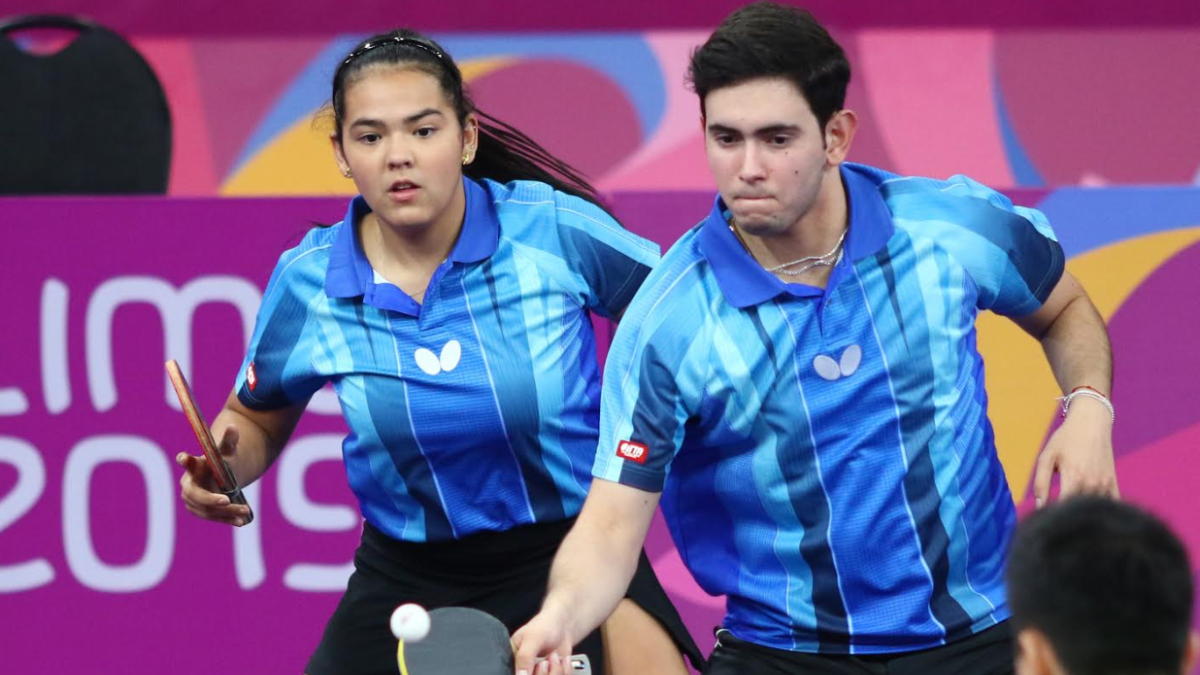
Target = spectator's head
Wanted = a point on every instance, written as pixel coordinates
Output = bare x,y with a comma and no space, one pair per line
1099,587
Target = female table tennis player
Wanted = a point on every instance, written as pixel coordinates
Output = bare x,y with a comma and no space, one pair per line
450,309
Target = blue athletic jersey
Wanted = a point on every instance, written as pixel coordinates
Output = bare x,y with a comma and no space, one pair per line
479,409
825,456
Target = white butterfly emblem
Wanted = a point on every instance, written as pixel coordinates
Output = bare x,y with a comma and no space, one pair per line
832,370
433,364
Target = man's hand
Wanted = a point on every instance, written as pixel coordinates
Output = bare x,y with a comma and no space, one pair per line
546,635
1081,452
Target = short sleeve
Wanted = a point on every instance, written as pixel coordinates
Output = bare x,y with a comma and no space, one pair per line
653,382
611,261
1010,252
277,371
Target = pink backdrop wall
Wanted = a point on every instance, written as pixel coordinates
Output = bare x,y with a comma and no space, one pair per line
1061,103
277,17
101,569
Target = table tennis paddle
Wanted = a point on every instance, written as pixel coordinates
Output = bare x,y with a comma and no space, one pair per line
226,482
464,640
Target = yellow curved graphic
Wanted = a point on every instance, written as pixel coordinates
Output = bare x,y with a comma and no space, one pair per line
299,161
1021,388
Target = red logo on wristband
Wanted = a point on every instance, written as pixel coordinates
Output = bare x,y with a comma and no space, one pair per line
251,377
634,452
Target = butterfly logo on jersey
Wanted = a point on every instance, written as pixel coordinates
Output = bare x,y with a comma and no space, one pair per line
832,370
432,364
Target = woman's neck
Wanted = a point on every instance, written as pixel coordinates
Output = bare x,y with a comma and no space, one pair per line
412,247
408,255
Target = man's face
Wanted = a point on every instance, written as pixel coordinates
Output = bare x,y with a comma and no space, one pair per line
767,153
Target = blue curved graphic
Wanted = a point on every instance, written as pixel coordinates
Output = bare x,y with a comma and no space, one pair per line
1097,218
625,58
307,92
1018,160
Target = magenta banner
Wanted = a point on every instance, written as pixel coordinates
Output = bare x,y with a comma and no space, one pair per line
101,567
278,18
103,570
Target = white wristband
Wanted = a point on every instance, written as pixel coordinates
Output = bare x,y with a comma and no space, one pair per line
1065,401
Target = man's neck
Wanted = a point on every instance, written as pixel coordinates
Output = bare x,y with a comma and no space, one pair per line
819,233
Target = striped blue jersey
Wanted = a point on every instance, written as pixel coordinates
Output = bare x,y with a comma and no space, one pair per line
824,455
478,409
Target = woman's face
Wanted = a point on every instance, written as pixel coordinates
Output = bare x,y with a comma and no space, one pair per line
402,143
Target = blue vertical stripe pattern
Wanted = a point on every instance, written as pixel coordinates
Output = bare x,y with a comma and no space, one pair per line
825,457
477,410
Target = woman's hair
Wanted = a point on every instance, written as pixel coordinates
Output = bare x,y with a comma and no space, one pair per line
504,153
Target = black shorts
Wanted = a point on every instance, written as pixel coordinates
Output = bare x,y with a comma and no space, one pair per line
988,652
501,573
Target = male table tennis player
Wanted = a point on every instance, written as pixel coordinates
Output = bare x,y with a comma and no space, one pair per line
798,383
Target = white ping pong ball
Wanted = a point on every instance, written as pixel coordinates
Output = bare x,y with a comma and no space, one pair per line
410,622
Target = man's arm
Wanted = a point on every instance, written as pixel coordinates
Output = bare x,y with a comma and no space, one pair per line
591,572
1075,341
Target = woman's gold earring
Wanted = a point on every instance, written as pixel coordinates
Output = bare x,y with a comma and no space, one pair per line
348,173
466,157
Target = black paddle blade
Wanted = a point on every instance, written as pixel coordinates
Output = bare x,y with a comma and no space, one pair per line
461,641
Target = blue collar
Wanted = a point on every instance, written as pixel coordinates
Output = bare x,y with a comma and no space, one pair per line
349,273
743,280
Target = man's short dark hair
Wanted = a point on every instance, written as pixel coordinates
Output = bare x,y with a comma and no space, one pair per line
1108,584
766,39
